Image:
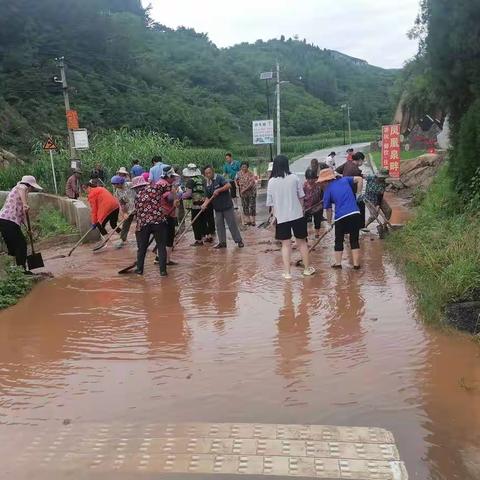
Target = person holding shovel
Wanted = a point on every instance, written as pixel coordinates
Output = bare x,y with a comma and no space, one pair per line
104,207
123,193
312,201
13,215
218,190
285,194
151,220
347,214
170,201
247,188
195,196
374,197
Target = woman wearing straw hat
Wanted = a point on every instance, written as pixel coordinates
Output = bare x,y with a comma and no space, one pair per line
151,220
123,172
347,214
13,215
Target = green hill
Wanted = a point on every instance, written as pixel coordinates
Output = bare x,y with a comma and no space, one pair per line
124,70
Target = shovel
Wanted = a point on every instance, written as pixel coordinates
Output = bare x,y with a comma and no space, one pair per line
34,260
105,240
75,246
299,263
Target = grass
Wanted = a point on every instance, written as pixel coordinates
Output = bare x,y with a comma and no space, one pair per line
440,249
115,148
377,156
51,223
14,284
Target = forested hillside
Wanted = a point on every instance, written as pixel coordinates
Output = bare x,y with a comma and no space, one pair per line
126,70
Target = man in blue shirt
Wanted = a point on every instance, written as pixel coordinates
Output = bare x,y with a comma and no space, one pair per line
230,169
156,171
136,169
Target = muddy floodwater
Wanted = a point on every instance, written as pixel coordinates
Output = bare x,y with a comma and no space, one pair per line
225,339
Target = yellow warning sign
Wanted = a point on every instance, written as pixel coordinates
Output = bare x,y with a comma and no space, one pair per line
49,144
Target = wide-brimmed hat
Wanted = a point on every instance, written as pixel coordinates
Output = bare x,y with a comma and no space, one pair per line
191,171
118,180
30,181
139,182
168,170
326,175
382,173
122,170
77,170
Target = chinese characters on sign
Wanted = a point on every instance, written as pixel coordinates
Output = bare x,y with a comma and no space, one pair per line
391,149
262,132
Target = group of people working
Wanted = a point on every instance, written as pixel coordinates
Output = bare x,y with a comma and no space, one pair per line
294,205
155,198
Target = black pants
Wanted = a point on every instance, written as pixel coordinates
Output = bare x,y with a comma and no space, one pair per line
113,219
15,241
200,225
348,225
159,232
171,223
317,219
233,189
209,221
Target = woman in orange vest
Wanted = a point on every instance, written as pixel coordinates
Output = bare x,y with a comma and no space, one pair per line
104,207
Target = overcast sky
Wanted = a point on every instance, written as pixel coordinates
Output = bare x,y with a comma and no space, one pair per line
374,30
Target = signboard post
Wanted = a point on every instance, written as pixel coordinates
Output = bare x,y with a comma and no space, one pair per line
80,139
262,132
391,149
49,146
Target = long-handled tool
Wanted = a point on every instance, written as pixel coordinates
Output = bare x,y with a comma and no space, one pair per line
193,221
34,260
105,240
299,263
85,235
134,264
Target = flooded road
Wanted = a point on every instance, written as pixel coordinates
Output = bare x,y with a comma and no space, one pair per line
225,339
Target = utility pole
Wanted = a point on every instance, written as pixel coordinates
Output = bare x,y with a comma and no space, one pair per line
279,144
349,126
63,81
268,114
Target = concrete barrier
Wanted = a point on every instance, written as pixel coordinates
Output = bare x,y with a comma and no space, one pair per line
77,212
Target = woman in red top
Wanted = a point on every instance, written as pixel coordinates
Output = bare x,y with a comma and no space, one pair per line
104,207
312,201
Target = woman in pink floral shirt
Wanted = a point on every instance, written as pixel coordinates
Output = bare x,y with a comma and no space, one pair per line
247,186
12,217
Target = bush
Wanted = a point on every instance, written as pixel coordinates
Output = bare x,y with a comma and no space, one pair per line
465,159
440,248
14,284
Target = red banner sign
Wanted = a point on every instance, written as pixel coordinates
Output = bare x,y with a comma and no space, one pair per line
391,149
72,119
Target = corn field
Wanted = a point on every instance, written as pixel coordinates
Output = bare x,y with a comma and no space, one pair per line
116,148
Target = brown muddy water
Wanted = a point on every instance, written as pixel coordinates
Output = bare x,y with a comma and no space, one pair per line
225,339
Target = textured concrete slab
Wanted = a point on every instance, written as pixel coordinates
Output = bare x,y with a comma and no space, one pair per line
309,451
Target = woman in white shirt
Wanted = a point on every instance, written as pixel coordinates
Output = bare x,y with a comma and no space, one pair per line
285,194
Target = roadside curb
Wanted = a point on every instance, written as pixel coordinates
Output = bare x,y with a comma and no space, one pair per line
372,163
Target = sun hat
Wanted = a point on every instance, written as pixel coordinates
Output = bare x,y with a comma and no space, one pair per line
77,170
383,173
118,180
31,181
191,171
122,170
168,170
139,182
326,175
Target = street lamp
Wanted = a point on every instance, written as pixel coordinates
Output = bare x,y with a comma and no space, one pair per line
268,76
346,108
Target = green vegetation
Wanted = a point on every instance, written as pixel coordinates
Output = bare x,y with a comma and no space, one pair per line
115,148
14,284
404,156
124,70
440,248
50,223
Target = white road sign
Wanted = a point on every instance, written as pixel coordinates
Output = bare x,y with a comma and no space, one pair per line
262,132
266,76
80,139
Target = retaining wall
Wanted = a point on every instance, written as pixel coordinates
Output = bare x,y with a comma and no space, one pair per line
75,211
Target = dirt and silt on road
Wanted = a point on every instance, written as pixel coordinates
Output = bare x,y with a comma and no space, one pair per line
225,339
